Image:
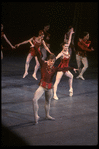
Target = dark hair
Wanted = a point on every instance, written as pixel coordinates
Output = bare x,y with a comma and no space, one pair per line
70,27
41,33
63,43
85,33
47,25
51,56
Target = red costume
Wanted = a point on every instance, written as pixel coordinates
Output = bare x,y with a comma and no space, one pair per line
47,73
64,63
37,45
83,47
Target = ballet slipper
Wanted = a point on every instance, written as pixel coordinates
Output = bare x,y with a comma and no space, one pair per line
49,117
55,97
71,92
25,74
36,119
81,77
34,76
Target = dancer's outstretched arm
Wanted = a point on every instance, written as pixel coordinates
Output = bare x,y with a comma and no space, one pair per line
8,41
59,55
24,42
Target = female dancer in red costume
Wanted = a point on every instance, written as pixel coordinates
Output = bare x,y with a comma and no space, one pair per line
45,85
4,36
37,41
64,63
81,55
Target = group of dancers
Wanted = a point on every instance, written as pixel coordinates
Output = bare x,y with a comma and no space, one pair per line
38,49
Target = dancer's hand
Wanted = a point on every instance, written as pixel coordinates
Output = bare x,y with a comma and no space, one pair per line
75,70
92,48
72,30
13,47
80,39
52,53
17,45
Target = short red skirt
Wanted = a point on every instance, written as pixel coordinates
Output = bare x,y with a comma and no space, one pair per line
33,53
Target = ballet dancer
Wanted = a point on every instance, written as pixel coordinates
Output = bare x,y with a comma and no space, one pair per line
81,55
47,41
4,36
65,56
45,85
66,38
37,41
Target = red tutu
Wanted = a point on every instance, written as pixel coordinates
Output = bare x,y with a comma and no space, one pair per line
64,63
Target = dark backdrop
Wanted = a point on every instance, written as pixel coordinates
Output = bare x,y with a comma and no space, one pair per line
22,20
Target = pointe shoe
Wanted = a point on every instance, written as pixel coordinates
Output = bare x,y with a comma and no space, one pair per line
81,77
49,117
55,97
36,120
71,92
25,74
34,76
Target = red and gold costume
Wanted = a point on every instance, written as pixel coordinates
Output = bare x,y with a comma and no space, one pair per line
83,47
47,73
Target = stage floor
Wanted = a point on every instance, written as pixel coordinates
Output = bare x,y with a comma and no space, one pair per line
76,117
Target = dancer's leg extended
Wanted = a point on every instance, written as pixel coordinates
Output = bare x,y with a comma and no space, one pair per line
28,59
58,78
48,97
39,92
36,68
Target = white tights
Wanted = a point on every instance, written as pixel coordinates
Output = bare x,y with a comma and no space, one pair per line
83,60
48,95
58,78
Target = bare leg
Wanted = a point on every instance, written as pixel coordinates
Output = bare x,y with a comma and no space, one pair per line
36,68
58,78
69,74
37,95
48,96
28,59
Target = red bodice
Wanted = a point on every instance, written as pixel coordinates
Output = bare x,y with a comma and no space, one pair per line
64,62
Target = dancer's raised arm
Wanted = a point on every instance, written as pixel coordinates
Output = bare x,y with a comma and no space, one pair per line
69,41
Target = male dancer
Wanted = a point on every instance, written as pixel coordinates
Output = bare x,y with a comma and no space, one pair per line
47,73
81,55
